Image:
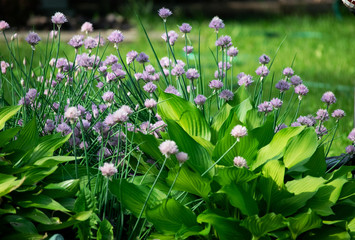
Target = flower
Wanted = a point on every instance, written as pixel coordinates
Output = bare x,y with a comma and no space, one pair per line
306,120
185,28
116,37
171,89
172,35
164,13
188,49
350,150
279,127
282,85
59,18
87,27
192,74
178,70
90,43
200,100
322,115
150,87
264,59
226,95
108,96
142,58
288,72
295,80
239,131
4,25
110,60
131,56
329,98
338,113
150,103
53,34
108,170
321,130
232,52
351,135
72,114
224,41
244,79
33,39
215,84
216,23
276,103
182,157
76,41
301,90
262,71
168,147
122,114
265,107
4,65
240,162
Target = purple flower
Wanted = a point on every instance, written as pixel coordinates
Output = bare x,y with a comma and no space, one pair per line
232,52
164,13
168,148
4,25
76,41
31,94
288,72
224,41
306,120
295,124
329,98
295,80
338,113
188,49
279,127
264,59
283,85
4,65
165,62
150,87
59,18
226,95
321,130
116,37
150,69
53,34
351,135
350,150
192,74
219,74
142,58
33,39
322,115
100,40
239,131
200,100
240,162
216,23
108,96
245,79
262,71
150,103
84,60
72,114
131,56
110,60
226,66
108,169
172,35
301,90
276,103
265,107
87,27
185,28
49,126
177,70
90,43
182,157
64,128
172,90
215,84
62,63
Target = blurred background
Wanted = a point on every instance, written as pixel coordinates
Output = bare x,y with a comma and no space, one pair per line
317,37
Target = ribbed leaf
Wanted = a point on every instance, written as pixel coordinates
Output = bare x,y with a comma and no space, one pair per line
40,201
218,121
228,175
316,165
8,183
105,231
7,135
37,216
6,113
239,96
77,218
303,222
67,188
21,224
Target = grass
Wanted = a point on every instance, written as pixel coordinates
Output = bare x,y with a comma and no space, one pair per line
320,45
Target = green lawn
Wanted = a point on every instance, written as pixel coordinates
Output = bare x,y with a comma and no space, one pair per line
322,46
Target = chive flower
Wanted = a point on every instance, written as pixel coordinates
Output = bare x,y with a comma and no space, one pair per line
168,147
338,114
239,131
296,80
182,157
227,95
33,39
288,72
215,84
4,25
200,100
59,18
264,59
87,27
216,23
185,28
108,169
351,135
329,98
240,162
164,13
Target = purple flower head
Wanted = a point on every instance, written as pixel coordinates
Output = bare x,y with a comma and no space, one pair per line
62,63
171,89
232,52
185,28
64,128
59,18
116,37
329,98
279,127
165,62
131,56
4,25
182,157
188,49
192,74
108,96
100,40
150,87
240,162
110,77
90,43
200,100
295,124
321,130
116,66
4,65
31,94
180,62
110,60
87,27
150,69
102,107
301,90
239,131
150,103
216,23
49,126
53,34
306,120
351,135
295,80
350,150
283,85
142,58
288,72
87,61
33,38
265,107
164,13
276,103
264,59
338,113
226,95
215,84
172,35
240,75
219,74
224,41
168,148
177,70
245,79
262,71
76,41
322,115
226,65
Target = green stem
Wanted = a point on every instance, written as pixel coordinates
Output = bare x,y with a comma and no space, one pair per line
172,185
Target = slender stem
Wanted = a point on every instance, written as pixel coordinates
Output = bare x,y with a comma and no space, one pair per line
331,142
172,185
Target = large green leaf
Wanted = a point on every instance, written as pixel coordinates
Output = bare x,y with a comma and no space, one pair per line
199,158
67,188
300,149
275,149
303,222
260,226
133,196
53,160
105,231
189,117
35,174
170,216
327,233
241,197
226,228
40,201
6,113
79,217
275,170
316,165
306,184
242,110
7,135
8,183
239,96
37,216
228,175
189,181
21,224
218,121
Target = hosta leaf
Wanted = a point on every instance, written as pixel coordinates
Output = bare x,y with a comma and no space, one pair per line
327,233
8,183
190,118
300,148
105,231
6,113
7,208
63,189
241,197
226,228
77,218
170,216
306,184
133,196
7,135
218,121
242,110
343,170
35,174
21,224
40,201
275,149
275,170
348,190
189,181
53,160
260,226
228,175
37,216
303,222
